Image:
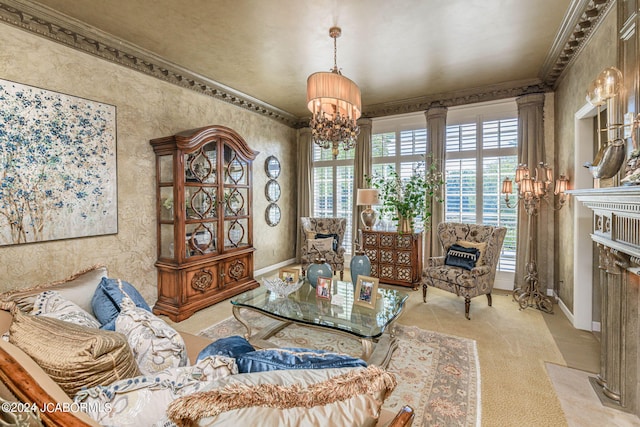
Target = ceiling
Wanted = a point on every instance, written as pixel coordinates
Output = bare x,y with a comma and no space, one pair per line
394,50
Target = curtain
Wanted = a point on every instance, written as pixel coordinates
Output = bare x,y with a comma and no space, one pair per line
531,151
436,140
362,168
305,153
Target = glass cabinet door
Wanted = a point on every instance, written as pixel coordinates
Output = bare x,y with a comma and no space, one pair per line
166,214
201,200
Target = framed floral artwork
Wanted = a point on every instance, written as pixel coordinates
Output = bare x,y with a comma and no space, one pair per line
57,166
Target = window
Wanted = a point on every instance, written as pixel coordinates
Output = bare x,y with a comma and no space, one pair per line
333,188
481,151
398,144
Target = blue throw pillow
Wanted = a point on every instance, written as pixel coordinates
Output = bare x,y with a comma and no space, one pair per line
107,299
459,256
233,346
333,236
274,359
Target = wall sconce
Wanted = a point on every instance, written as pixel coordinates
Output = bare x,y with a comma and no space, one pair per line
611,154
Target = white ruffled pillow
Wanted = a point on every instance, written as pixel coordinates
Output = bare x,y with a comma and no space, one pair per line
143,401
156,345
52,304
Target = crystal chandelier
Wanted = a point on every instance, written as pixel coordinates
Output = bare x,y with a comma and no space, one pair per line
334,101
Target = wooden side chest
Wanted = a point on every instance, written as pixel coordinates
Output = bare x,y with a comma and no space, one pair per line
395,258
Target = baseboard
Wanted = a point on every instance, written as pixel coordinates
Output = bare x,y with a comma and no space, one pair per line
595,326
273,267
566,310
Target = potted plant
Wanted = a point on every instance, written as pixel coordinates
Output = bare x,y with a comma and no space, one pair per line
407,198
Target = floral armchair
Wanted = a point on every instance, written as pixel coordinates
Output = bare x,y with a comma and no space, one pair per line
324,236
467,283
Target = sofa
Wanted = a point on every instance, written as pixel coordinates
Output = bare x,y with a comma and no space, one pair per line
45,381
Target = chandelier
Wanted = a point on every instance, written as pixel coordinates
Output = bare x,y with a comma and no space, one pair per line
334,102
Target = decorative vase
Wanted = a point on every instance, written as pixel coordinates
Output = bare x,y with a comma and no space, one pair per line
319,268
360,266
405,224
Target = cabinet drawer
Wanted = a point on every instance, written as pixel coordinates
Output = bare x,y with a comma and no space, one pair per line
372,254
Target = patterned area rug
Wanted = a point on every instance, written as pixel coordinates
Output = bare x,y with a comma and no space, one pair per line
438,375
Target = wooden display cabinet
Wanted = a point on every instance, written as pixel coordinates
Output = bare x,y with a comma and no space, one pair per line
205,226
396,258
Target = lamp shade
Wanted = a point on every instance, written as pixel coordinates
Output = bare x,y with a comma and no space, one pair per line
331,93
367,197
507,186
561,185
611,79
526,186
522,172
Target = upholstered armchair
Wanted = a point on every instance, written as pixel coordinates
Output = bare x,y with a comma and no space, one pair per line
466,280
323,236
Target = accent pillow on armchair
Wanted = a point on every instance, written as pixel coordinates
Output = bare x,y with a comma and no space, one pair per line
331,231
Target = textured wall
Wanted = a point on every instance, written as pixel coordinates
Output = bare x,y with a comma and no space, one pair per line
598,54
146,108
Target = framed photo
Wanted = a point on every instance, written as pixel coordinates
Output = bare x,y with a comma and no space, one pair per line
289,275
323,288
366,291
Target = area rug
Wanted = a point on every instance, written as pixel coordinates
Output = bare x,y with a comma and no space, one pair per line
438,375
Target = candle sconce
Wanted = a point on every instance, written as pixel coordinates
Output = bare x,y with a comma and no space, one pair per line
531,192
603,90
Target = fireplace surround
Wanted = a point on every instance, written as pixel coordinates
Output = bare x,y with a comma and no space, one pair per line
616,232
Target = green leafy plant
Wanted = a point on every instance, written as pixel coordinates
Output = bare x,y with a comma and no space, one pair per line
409,197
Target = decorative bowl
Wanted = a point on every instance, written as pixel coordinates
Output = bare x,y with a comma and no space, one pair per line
281,288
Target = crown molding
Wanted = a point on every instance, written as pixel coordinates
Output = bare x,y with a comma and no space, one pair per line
53,25
580,22
461,97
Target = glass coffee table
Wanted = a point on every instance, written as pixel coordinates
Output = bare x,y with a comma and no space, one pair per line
373,326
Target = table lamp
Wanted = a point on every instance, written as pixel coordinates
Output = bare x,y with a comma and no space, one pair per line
367,197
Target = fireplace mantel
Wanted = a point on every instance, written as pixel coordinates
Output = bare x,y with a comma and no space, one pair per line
616,230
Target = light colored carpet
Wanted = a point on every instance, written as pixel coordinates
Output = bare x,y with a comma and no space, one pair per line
513,347
437,374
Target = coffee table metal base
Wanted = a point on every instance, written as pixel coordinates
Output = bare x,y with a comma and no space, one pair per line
374,351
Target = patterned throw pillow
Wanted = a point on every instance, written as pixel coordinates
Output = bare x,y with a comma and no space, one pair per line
332,236
143,401
482,247
108,297
459,256
322,245
51,304
74,356
156,345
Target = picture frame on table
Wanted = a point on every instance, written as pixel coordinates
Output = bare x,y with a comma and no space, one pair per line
323,288
366,291
289,275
